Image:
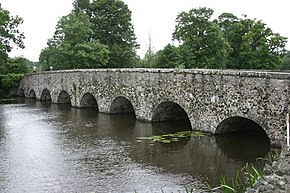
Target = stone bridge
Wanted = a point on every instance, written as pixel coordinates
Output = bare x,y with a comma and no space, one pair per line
216,101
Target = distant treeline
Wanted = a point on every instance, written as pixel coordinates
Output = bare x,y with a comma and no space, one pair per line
99,34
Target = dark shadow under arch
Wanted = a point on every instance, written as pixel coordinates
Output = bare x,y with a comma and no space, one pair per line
45,95
237,124
88,101
32,94
242,138
21,93
169,111
63,98
121,105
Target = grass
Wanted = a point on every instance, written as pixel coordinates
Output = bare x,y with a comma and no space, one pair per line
244,178
187,190
249,173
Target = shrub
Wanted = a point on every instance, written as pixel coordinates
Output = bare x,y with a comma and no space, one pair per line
10,81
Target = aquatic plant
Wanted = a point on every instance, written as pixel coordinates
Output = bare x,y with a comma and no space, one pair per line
173,137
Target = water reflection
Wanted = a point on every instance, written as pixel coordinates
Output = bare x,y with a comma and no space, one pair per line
56,148
244,146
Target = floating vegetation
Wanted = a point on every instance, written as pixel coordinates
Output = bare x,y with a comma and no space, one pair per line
174,137
7,100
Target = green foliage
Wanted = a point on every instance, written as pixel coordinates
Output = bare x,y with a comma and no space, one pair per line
169,57
174,137
226,42
73,46
111,20
11,80
247,176
226,188
252,174
11,70
95,34
253,44
18,65
149,59
286,62
202,43
9,34
237,184
189,190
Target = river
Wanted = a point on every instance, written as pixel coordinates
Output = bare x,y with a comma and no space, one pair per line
47,147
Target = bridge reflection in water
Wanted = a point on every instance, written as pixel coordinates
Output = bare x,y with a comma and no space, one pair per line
238,141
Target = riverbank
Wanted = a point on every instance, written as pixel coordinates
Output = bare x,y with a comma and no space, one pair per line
276,178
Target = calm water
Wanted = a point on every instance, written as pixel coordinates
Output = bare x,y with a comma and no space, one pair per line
54,148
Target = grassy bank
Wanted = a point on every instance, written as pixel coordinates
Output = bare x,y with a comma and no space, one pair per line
246,177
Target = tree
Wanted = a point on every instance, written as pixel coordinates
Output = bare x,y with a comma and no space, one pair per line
12,71
169,57
233,31
17,65
73,45
227,42
286,62
201,41
149,58
111,23
9,34
10,81
253,44
261,47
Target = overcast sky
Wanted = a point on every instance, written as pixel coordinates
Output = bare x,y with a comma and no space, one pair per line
154,17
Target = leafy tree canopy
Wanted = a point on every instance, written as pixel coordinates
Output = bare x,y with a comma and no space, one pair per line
12,71
17,65
169,57
253,44
227,42
10,81
149,59
95,34
111,20
201,41
73,45
286,62
9,34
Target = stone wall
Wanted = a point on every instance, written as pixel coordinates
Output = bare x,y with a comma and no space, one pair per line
205,97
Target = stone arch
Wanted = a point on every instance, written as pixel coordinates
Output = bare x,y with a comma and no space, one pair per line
32,94
63,98
45,95
88,101
21,92
243,133
169,111
237,124
121,105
